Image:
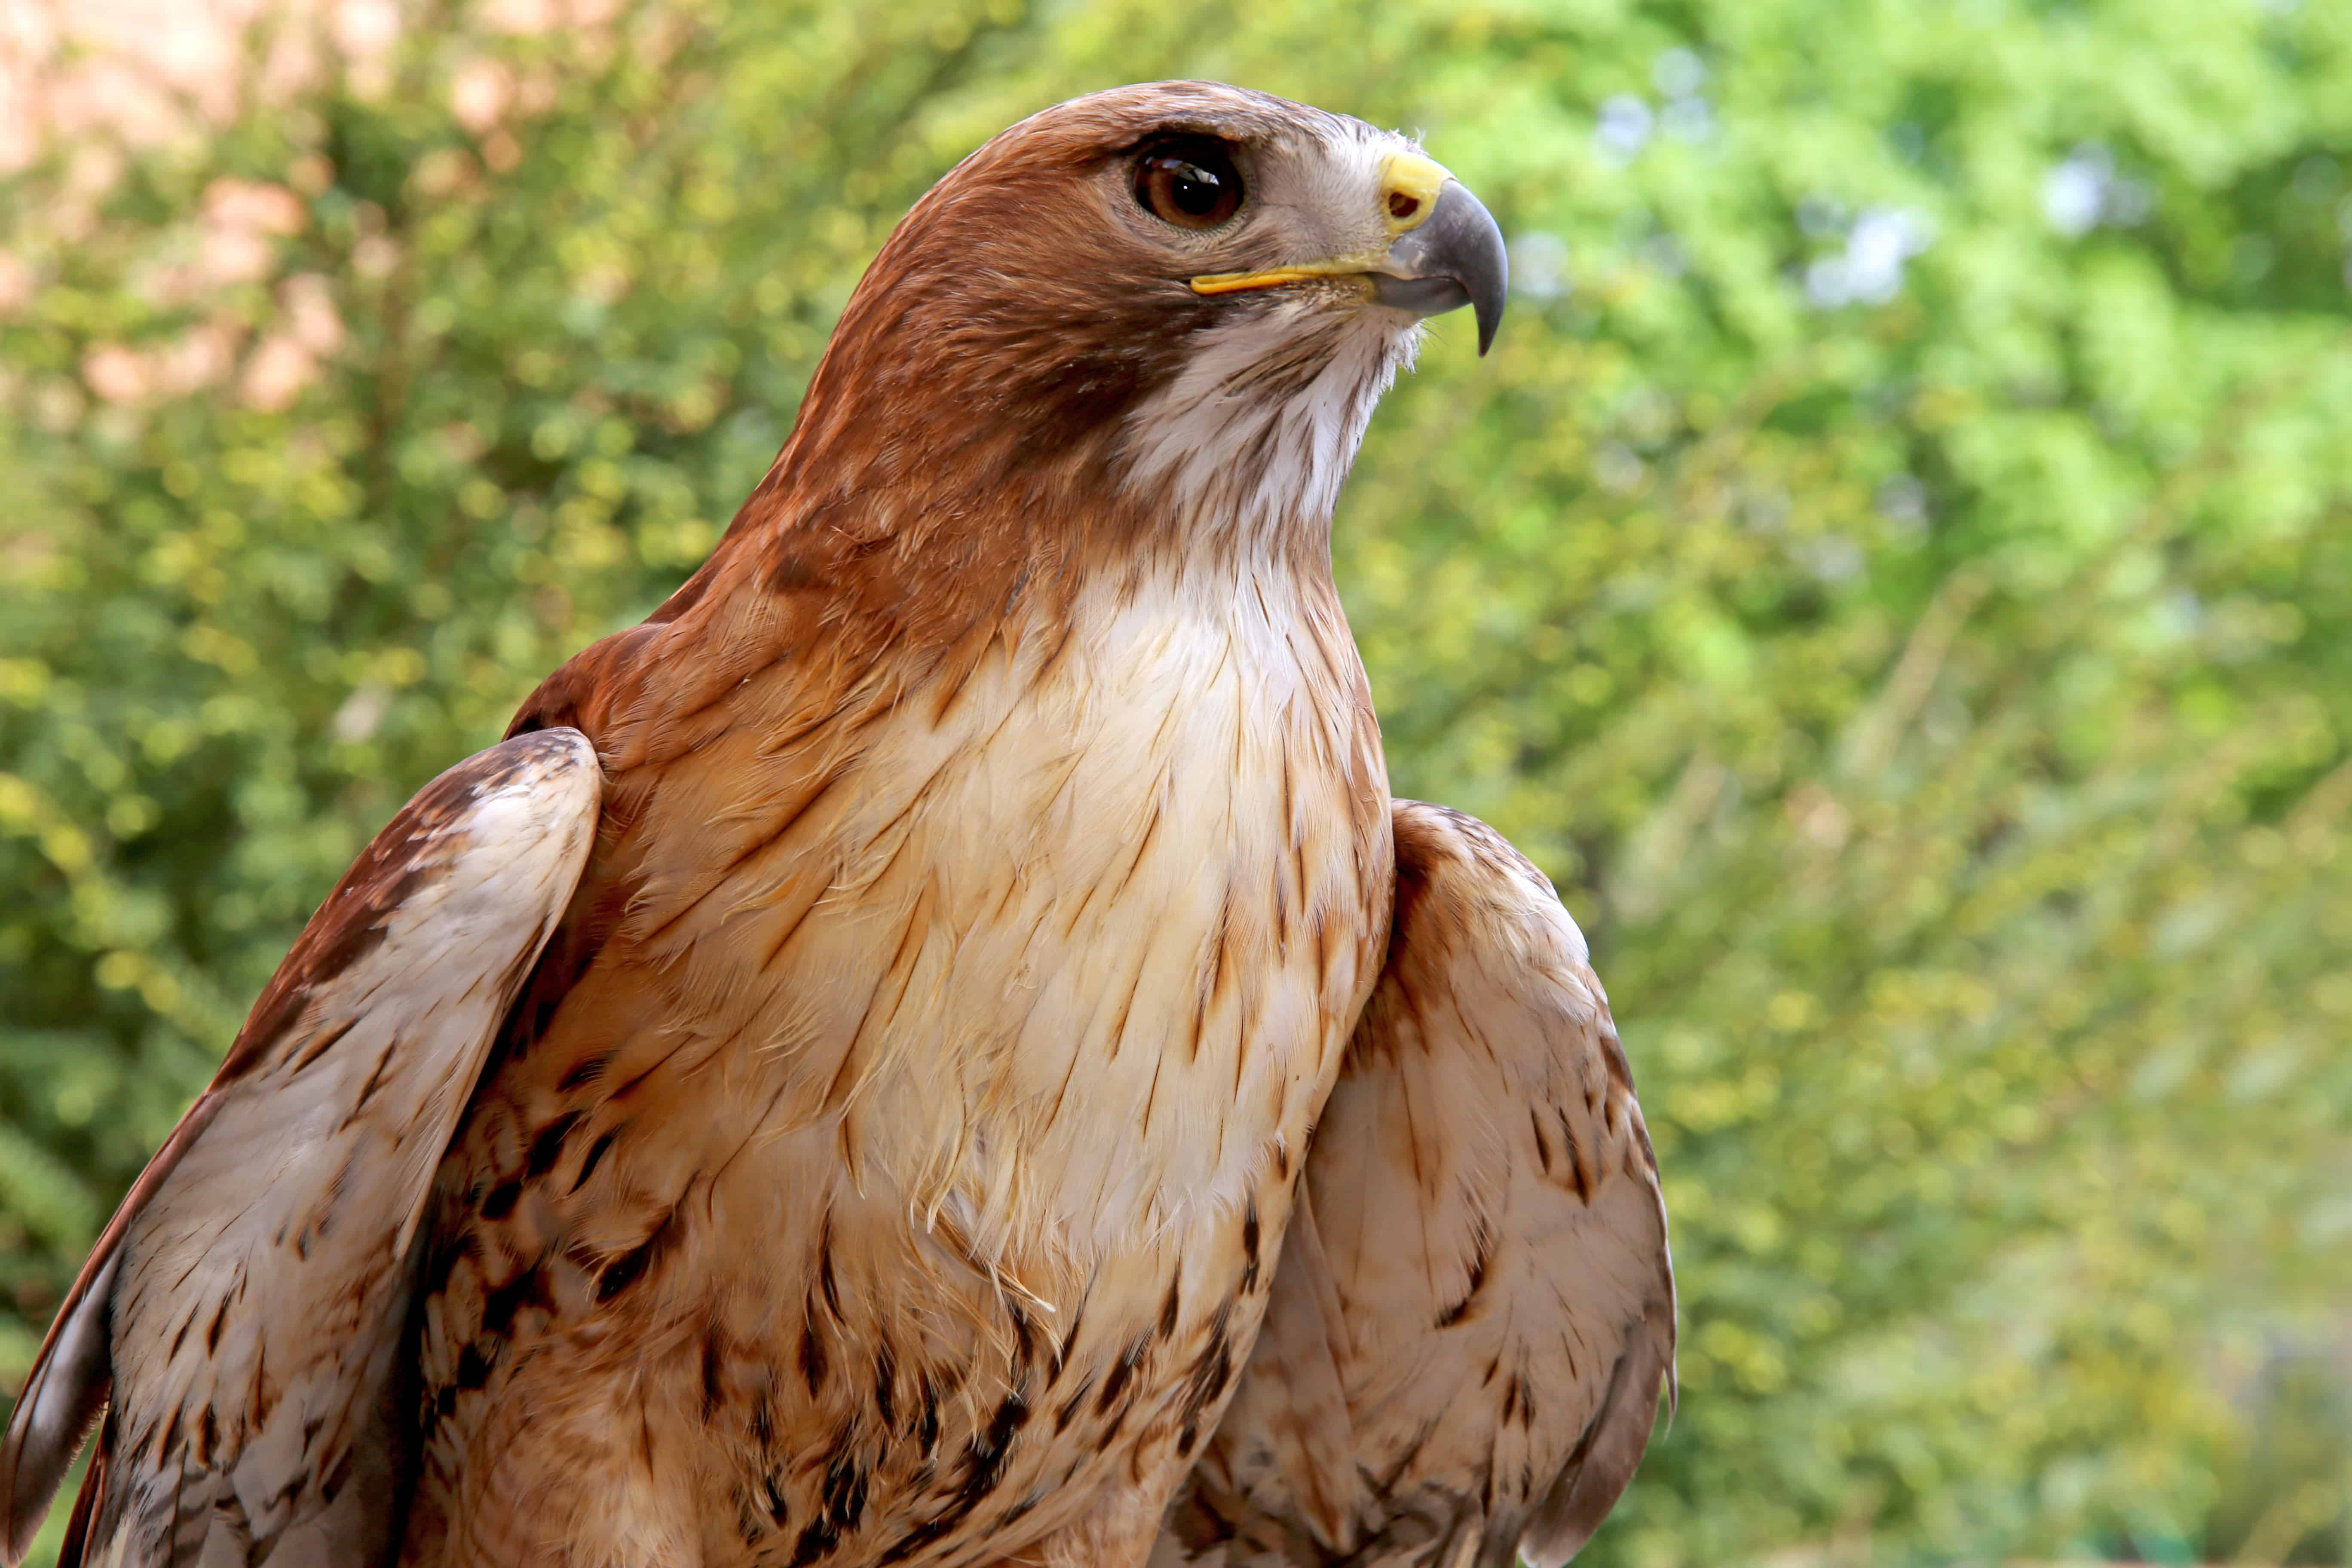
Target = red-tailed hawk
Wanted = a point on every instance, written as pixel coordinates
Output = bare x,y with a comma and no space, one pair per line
834,1085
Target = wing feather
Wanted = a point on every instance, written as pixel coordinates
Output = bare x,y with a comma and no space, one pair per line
1475,1314
240,1315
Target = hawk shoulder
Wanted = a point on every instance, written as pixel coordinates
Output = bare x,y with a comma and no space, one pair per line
239,1319
1474,1316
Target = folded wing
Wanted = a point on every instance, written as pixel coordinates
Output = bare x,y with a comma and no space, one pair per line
240,1319
1474,1313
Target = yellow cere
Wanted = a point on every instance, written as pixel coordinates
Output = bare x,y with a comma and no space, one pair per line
1409,187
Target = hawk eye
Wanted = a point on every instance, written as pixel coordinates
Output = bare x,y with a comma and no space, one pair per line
1191,183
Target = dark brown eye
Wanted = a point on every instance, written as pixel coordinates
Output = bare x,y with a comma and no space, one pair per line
1191,183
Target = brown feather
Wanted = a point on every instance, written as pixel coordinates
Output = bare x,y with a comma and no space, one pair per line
1475,1314
261,1255
882,1161
993,863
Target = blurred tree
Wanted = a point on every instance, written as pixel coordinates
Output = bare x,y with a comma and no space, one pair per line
1894,574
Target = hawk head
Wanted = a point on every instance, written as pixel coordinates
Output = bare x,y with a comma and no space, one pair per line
1179,300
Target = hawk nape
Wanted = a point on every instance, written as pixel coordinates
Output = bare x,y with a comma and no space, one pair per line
840,1084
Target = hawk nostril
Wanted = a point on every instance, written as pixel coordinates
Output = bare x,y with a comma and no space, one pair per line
1403,204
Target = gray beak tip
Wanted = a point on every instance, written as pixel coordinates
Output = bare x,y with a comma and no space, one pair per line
1485,270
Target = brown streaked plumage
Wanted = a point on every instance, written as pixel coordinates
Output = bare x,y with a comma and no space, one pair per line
241,1316
889,1155
1475,1314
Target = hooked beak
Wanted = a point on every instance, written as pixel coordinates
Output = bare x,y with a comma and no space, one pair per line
1447,253
1455,258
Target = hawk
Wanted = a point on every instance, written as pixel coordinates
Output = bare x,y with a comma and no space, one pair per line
938,1046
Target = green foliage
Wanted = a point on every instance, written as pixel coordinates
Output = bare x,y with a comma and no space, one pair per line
1893,573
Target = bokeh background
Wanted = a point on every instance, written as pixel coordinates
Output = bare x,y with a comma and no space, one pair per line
1895,573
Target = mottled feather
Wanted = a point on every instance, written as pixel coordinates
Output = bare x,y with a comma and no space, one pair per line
887,1157
1475,1314
243,1315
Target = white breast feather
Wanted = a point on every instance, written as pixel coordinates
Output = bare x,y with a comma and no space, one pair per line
1235,458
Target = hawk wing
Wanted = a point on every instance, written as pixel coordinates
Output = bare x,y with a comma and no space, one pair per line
1474,1311
240,1317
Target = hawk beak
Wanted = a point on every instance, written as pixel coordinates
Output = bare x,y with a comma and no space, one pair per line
1446,251
1455,257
